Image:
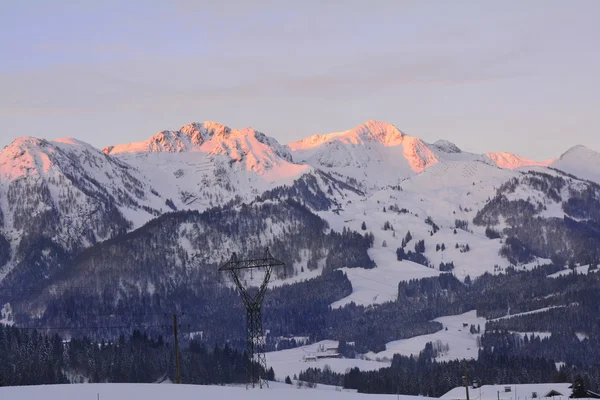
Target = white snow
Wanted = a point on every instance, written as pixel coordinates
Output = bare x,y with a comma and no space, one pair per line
513,161
445,192
293,361
380,285
126,391
581,270
462,344
6,315
539,310
581,162
519,391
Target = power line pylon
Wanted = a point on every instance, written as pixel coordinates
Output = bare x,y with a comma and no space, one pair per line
256,364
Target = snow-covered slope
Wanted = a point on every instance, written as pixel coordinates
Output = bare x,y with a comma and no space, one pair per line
580,161
69,193
444,193
375,154
513,161
455,339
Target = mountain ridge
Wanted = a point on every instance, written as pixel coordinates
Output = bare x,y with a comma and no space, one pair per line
80,195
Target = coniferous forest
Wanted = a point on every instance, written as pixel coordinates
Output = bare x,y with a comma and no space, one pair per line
32,358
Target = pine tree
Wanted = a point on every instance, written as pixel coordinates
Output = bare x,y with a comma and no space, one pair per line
579,390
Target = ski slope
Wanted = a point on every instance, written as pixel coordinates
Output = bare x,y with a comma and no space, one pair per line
126,391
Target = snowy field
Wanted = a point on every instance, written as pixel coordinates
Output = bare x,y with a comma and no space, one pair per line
125,391
293,361
380,285
462,344
454,342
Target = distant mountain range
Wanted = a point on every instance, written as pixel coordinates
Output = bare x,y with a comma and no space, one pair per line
160,215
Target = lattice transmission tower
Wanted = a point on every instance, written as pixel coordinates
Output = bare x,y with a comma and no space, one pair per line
256,364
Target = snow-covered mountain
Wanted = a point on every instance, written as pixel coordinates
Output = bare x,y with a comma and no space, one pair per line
58,198
65,195
374,154
377,154
208,164
581,162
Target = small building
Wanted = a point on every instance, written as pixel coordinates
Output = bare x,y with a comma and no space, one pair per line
552,393
592,395
328,355
537,391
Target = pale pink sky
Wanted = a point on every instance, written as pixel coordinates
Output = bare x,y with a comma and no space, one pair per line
490,76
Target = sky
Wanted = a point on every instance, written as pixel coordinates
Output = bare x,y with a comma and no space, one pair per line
515,76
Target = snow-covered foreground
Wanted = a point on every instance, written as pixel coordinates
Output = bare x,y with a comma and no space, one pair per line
461,343
127,391
293,361
511,392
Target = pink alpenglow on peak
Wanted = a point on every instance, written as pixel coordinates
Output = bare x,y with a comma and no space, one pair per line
375,149
189,138
513,161
256,150
370,131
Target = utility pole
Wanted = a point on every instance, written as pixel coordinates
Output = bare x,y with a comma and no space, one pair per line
466,379
176,325
177,366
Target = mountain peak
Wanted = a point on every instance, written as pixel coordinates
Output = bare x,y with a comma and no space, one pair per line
577,149
255,150
380,131
447,146
369,131
514,161
580,161
198,132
